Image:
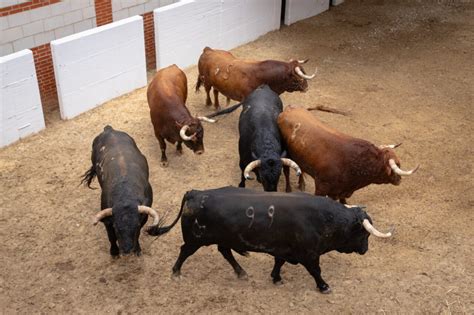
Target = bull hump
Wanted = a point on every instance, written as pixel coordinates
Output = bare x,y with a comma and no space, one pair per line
122,165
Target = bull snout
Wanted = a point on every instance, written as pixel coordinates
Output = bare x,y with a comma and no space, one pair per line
199,152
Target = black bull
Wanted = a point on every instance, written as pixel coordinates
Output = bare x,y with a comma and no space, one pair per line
127,196
294,227
260,142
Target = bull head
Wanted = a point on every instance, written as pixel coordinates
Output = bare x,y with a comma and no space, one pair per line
269,166
192,135
392,164
126,225
298,80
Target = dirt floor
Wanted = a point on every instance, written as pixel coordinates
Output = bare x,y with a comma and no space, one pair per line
405,74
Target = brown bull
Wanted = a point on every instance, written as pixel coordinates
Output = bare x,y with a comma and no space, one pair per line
236,78
171,118
340,164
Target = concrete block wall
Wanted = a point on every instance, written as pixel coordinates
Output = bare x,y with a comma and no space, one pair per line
34,26
297,10
122,9
100,64
21,113
183,29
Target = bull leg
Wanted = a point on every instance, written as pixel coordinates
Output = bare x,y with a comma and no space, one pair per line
186,251
315,271
216,99
301,183
164,159
227,253
242,181
179,148
227,102
276,270
208,97
114,250
286,171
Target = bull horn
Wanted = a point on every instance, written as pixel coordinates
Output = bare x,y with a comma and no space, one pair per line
151,212
305,76
390,146
370,228
292,164
182,133
250,167
399,171
203,118
102,214
300,61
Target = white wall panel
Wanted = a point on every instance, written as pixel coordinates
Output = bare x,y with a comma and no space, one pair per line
100,64
183,29
297,10
21,113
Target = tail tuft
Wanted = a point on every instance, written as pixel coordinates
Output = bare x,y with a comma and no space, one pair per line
88,177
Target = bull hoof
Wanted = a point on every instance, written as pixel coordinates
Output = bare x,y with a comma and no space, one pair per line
218,108
176,276
179,152
325,290
164,163
278,282
243,275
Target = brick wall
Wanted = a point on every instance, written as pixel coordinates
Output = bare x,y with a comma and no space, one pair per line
45,75
103,11
21,6
40,21
149,28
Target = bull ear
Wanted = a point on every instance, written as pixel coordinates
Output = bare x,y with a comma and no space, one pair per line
254,156
284,154
179,125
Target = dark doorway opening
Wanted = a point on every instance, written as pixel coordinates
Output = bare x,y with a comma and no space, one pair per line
282,14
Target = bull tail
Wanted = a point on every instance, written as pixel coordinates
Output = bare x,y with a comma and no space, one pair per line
199,82
225,111
160,230
88,177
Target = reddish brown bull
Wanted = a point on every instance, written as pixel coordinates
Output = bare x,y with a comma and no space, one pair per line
340,164
171,118
236,78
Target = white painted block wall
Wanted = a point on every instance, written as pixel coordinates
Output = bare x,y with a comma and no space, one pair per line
21,113
100,64
297,10
183,29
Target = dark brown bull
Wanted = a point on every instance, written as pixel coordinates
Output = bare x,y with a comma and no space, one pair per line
340,164
236,78
171,119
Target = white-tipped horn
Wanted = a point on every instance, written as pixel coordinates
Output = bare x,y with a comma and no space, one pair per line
250,167
183,135
102,214
209,120
390,146
305,76
372,230
292,164
151,212
300,61
399,171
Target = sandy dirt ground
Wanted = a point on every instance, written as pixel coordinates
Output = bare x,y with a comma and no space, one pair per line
403,71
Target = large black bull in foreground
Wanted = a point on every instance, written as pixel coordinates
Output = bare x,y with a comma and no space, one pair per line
292,227
126,197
